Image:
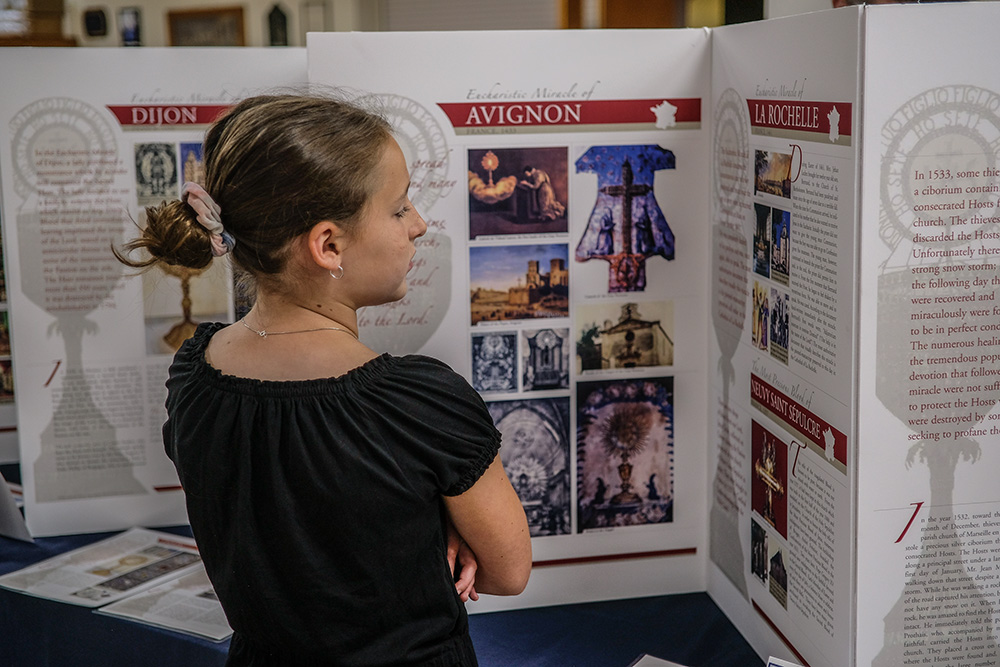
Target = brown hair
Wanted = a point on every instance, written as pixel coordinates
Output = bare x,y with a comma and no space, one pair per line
276,165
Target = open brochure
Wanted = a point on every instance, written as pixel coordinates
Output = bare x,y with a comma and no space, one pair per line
108,570
185,604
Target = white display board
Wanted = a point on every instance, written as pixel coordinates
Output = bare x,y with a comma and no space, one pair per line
928,502
786,154
91,136
563,273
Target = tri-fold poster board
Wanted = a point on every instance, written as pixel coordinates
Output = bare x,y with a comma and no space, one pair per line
729,294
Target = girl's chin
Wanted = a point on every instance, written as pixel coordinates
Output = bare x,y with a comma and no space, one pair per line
393,298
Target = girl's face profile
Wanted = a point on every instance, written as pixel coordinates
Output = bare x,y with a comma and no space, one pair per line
382,248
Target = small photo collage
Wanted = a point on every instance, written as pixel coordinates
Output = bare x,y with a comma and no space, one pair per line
769,511
770,259
578,385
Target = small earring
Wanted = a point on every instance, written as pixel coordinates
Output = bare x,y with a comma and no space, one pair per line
335,276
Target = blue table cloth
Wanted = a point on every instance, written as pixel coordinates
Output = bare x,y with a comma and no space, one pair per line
688,629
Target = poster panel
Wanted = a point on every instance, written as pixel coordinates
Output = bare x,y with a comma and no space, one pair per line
83,153
928,542
785,158
563,272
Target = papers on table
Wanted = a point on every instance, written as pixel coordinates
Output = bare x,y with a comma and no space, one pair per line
187,604
142,575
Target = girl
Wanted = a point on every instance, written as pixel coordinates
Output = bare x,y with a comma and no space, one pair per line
330,489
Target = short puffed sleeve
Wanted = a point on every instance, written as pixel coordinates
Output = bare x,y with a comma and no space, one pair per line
439,418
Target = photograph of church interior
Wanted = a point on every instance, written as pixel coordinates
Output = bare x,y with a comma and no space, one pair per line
580,389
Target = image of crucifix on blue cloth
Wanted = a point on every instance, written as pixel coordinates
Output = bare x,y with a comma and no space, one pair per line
626,225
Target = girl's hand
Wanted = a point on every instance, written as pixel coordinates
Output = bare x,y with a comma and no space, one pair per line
462,564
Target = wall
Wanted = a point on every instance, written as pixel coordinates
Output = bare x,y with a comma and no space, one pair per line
470,15
339,15
347,15
776,8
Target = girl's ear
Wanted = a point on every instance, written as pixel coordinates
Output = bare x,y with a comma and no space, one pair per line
326,242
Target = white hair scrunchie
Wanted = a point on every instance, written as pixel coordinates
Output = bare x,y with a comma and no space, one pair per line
209,216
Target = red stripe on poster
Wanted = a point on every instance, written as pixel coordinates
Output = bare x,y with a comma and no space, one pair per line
801,116
609,557
169,115
797,417
780,634
571,112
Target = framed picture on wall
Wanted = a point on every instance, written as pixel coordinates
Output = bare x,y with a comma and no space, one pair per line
129,26
277,27
95,23
221,26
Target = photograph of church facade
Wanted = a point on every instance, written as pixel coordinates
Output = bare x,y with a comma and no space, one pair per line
511,282
629,335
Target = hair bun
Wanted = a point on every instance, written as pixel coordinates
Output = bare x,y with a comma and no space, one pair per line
172,235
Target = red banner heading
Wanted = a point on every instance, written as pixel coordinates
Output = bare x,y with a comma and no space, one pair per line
789,411
169,115
571,112
802,116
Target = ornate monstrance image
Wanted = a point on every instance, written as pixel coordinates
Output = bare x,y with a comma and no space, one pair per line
176,299
626,225
155,172
183,330
62,251
730,271
625,453
494,362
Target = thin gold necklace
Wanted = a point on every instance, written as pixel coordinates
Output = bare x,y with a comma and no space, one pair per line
264,334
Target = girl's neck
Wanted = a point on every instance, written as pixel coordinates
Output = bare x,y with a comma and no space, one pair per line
274,312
